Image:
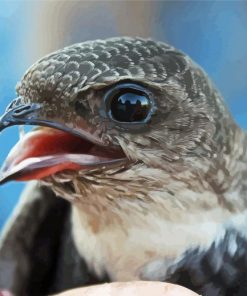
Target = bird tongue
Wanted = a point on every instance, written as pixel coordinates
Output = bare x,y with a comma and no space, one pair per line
45,151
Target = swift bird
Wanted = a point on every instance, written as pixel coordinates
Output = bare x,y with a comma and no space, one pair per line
135,136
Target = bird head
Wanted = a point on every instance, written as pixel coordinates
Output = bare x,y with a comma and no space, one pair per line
123,115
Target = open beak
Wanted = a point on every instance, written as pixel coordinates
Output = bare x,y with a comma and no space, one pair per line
53,147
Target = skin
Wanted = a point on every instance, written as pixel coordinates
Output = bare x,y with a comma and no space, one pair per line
131,289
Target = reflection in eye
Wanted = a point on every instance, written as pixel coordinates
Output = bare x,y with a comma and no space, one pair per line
129,105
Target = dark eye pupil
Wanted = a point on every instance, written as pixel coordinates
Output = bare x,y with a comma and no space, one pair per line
130,106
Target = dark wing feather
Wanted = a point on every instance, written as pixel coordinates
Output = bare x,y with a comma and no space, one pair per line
37,254
219,271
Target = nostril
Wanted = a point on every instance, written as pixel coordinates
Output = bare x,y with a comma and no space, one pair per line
24,110
20,110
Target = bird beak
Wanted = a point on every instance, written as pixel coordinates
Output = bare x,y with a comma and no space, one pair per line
31,114
19,114
52,147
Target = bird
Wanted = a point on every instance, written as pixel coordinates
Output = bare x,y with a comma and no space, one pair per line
137,171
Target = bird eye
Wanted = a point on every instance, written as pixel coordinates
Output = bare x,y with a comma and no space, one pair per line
128,103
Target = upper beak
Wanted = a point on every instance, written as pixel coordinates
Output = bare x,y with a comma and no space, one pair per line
19,114
31,114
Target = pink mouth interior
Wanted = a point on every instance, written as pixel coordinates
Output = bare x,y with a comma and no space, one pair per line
46,151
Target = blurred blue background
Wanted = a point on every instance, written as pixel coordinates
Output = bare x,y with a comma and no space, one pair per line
213,33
